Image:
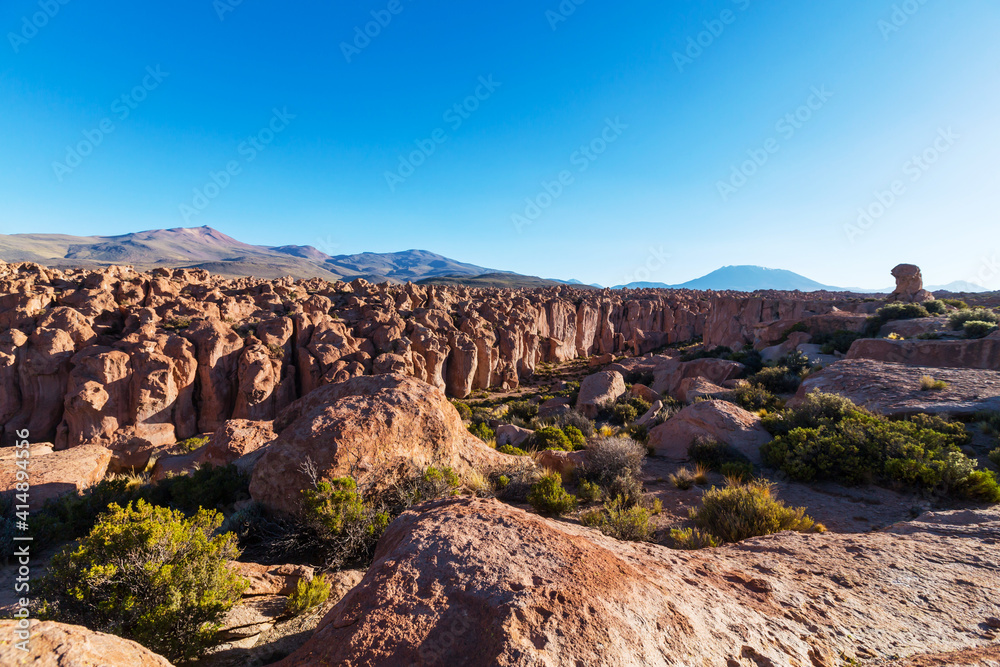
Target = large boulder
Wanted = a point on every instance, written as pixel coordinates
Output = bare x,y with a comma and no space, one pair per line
895,389
598,391
236,438
61,645
698,387
515,436
477,582
909,285
671,373
54,474
717,420
371,427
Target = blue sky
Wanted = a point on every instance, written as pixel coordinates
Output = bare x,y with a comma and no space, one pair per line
606,143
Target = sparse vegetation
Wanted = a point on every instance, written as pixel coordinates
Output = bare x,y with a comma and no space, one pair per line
754,397
994,456
829,437
149,574
979,329
344,524
307,595
511,450
936,307
838,341
549,497
891,313
927,383
713,454
683,479
464,411
609,459
192,444
551,437
482,431
741,511
958,320
621,521
177,324
693,538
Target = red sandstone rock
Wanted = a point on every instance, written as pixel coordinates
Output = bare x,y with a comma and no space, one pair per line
236,438
61,645
718,420
476,582
53,474
598,391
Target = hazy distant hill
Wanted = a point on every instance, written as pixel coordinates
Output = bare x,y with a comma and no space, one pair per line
746,279
207,248
500,279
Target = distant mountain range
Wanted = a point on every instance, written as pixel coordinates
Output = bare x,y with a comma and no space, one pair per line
753,278
209,249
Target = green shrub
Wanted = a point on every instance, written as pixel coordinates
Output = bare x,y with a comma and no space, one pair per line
955,303
754,397
482,431
149,574
959,319
551,437
512,450
347,528
995,457
522,410
714,454
936,307
588,491
209,487
177,323
736,513
927,383
549,497
750,358
838,341
622,521
192,444
308,594
977,329
980,485
464,411
777,380
683,479
831,438
893,312
693,538
624,413
577,440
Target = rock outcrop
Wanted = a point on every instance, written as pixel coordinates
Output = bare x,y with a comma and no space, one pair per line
372,428
136,361
477,582
599,391
53,474
715,420
895,389
909,285
61,645
981,354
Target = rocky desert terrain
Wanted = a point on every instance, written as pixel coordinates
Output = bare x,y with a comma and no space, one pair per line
239,471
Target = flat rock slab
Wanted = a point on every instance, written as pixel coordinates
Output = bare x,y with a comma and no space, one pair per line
62,645
477,582
53,474
894,389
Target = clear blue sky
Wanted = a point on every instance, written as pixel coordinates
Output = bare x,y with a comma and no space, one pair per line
678,125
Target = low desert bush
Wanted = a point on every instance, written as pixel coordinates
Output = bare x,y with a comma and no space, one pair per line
693,538
308,594
149,574
754,397
549,497
345,526
588,491
482,431
891,313
683,479
927,383
622,521
624,414
738,512
513,482
511,450
958,320
551,437
577,440
831,438
995,457
740,471
978,329
521,410
713,454
936,307
464,411
955,303
192,444
610,458
777,379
